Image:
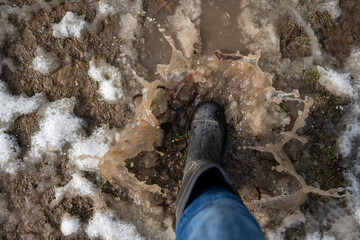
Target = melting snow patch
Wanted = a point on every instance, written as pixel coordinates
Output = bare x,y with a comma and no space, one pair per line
45,62
109,78
70,26
337,83
259,33
292,220
86,153
353,65
332,7
319,236
15,106
355,189
78,186
105,8
69,225
184,22
351,151
313,236
129,27
348,138
105,226
8,153
122,6
57,126
6,29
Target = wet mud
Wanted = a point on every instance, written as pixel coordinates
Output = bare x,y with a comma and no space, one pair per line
28,201
71,79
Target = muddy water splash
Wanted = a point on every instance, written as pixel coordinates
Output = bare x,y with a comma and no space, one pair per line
294,200
135,138
249,93
248,90
250,96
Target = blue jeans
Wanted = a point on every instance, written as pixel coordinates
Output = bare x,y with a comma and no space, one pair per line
217,214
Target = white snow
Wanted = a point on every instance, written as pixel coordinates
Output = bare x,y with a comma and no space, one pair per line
78,186
353,65
86,152
332,7
107,227
58,125
6,29
8,153
109,78
69,224
12,107
313,236
105,8
71,25
355,189
129,26
352,131
45,62
122,6
258,30
185,23
291,220
337,83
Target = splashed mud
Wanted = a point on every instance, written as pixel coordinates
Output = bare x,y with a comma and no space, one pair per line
294,200
135,138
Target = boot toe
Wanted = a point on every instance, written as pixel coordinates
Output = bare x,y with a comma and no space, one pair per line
209,110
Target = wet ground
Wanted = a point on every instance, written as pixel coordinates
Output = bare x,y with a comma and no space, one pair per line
28,209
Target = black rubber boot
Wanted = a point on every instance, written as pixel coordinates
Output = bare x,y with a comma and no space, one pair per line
207,142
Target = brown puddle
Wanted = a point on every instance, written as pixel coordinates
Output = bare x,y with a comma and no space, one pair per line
217,24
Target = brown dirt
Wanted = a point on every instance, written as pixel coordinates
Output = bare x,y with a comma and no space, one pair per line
23,129
28,202
21,3
71,78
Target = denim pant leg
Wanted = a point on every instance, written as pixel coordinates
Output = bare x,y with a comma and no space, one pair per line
217,214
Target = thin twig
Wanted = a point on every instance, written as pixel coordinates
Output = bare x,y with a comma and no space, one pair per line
180,85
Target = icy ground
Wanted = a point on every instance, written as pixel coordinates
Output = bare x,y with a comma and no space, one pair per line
74,110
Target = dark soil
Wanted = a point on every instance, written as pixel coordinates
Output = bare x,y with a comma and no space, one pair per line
346,33
23,129
322,24
21,3
28,202
317,160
